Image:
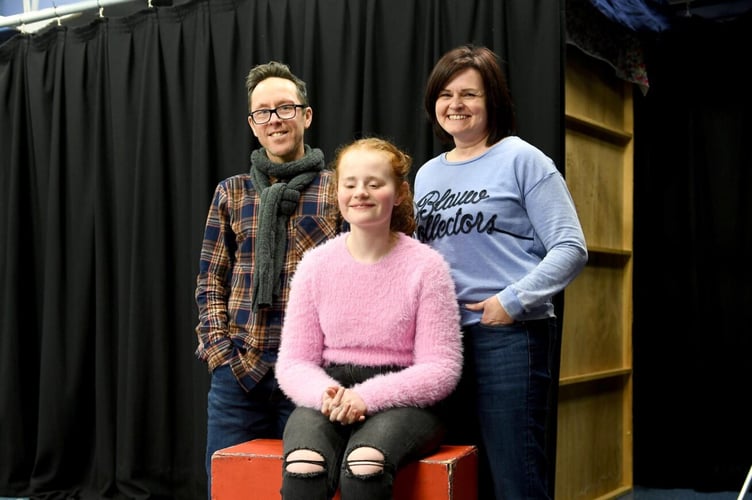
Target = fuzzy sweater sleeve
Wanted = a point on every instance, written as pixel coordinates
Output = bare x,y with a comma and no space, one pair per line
299,368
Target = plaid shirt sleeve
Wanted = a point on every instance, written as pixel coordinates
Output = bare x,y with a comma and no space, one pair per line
213,282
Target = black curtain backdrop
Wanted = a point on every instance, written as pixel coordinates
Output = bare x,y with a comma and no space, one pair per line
693,241
112,138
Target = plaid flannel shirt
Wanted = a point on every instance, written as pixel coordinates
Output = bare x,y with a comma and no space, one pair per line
228,329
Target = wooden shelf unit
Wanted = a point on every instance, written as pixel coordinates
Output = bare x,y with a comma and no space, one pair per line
594,448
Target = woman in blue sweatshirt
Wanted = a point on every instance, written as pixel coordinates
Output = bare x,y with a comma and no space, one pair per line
500,213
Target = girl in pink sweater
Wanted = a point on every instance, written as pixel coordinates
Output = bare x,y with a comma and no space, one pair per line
371,339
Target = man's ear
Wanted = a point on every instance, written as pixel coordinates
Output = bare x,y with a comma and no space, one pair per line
308,116
250,124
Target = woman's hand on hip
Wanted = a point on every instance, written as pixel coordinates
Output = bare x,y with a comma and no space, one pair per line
494,313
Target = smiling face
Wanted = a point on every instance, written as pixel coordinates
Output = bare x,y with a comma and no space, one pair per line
282,139
461,108
366,190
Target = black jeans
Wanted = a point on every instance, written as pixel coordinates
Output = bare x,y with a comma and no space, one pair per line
401,434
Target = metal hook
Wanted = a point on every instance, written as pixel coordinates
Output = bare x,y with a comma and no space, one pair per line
54,11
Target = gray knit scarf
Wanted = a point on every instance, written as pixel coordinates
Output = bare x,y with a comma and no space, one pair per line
278,202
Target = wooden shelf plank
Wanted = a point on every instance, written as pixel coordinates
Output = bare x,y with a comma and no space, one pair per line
595,129
590,377
610,251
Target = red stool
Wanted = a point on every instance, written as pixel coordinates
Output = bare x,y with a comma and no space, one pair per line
253,470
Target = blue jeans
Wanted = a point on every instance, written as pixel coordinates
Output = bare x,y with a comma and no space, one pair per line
507,378
236,416
400,434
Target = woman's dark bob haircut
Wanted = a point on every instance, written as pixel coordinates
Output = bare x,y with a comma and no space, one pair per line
499,105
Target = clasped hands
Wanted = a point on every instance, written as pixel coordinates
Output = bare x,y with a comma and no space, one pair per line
343,405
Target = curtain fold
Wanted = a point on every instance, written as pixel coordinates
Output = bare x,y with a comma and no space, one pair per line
113,136
693,233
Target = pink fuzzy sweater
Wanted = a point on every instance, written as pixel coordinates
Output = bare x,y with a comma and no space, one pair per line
401,311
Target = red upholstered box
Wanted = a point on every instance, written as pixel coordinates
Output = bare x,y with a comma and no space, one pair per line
253,471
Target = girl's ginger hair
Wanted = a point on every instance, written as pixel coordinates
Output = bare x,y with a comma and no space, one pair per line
403,215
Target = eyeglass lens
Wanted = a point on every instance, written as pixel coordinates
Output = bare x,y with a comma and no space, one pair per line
284,112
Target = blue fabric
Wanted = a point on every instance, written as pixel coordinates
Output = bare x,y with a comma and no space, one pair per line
506,224
236,416
508,364
636,15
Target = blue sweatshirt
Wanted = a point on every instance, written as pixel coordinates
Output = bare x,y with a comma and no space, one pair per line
506,224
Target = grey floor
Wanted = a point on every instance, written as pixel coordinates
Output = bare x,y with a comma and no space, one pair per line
654,494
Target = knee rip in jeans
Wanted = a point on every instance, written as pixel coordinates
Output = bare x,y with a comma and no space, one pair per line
303,462
365,461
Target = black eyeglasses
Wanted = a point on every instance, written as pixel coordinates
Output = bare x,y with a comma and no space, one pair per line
284,112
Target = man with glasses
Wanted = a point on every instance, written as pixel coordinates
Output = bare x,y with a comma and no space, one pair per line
259,225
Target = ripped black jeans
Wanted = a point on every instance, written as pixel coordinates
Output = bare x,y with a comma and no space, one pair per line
400,434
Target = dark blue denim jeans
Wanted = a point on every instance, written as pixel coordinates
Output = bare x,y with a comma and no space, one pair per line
236,416
401,434
507,379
